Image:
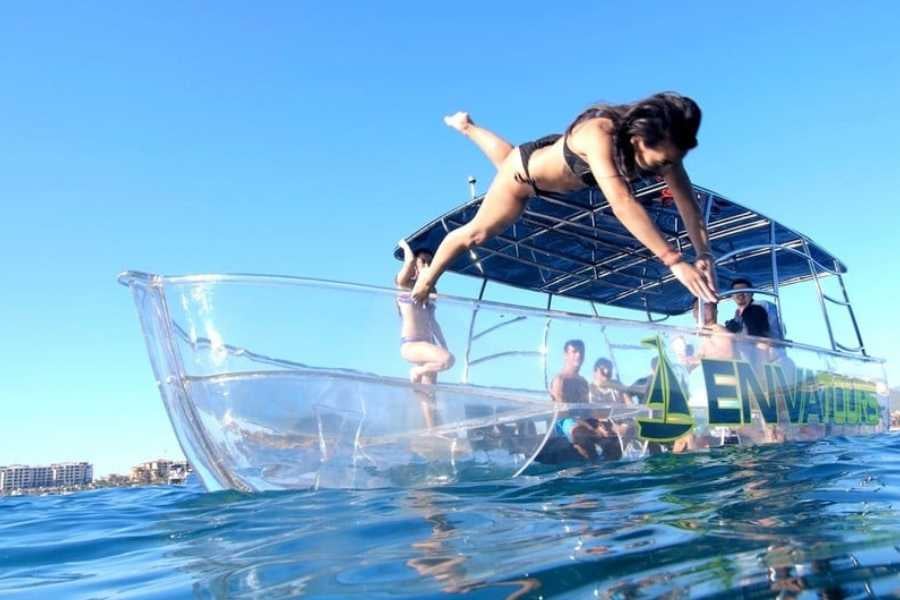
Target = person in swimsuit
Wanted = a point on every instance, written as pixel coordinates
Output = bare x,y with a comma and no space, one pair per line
584,433
422,342
606,146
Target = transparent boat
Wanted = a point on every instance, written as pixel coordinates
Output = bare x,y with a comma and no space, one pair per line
275,382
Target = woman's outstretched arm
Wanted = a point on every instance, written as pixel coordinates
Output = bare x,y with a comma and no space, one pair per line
598,148
683,192
678,181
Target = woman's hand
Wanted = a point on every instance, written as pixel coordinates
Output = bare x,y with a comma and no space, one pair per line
694,280
421,289
705,265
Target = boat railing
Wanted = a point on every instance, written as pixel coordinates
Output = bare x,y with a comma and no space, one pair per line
814,268
469,361
799,248
480,316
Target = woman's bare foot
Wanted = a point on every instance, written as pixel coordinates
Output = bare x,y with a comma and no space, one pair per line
460,121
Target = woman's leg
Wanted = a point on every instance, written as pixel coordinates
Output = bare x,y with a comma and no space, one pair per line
429,359
493,146
501,207
427,399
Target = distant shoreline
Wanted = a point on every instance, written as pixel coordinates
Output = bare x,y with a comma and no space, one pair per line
97,485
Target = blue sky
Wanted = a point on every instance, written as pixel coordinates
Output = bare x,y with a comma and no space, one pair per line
306,137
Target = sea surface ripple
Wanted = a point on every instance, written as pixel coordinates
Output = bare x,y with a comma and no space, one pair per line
799,520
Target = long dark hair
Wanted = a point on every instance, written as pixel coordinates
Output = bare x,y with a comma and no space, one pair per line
662,116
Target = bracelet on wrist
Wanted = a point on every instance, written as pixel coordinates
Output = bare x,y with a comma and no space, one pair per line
671,258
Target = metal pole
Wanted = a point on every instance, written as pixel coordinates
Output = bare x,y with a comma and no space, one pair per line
707,208
544,347
775,279
472,187
467,360
815,275
707,211
862,347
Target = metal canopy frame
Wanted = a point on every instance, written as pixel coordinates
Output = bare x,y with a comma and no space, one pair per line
573,246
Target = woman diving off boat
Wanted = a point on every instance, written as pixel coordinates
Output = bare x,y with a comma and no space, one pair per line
605,146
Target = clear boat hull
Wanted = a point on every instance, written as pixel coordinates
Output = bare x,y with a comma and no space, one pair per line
285,383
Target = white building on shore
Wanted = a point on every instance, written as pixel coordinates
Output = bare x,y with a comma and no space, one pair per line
72,473
20,477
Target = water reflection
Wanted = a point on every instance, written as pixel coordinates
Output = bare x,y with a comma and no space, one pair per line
791,521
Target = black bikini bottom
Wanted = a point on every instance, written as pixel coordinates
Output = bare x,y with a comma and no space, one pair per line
526,150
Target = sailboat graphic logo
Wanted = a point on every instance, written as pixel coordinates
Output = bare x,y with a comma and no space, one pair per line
666,395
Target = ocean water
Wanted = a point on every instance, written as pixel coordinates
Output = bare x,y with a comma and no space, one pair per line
800,520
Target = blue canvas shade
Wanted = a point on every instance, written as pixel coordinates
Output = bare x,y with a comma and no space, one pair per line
572,245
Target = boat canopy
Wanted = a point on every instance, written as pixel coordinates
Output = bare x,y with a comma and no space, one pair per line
572,245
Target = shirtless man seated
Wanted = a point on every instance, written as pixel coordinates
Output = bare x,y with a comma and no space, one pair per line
568,385
584,433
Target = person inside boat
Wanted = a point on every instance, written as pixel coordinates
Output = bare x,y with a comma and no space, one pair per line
717,342
743,300
568,385
758,353
641,385
606,146
578,434
422,342
604,388
755,322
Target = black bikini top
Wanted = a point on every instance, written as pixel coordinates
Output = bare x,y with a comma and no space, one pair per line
577,164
